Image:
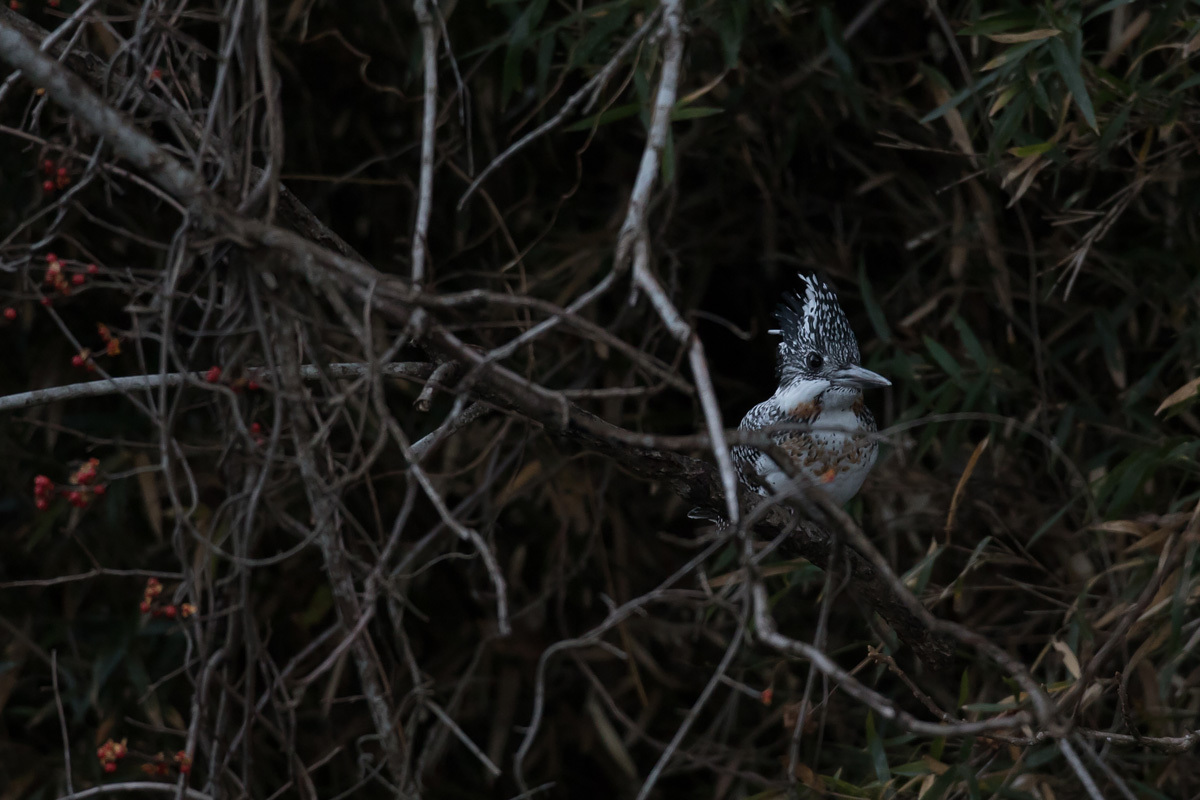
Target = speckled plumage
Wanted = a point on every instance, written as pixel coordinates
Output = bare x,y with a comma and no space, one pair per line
820,393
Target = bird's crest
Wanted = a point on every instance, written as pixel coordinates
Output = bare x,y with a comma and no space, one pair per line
813,321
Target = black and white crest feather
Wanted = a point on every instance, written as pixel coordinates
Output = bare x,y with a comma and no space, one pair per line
814,322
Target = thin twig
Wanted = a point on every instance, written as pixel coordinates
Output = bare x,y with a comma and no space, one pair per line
592,637
62,721
492,769
730,651
592,87
429,39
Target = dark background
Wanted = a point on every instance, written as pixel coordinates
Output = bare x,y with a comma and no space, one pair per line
810,143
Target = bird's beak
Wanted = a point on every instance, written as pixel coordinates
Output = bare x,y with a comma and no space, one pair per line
854,375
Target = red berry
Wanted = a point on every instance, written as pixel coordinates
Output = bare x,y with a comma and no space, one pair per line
92,269
110,767
48,186
62,172
255,428
51,258
213,375
156,73
169,612
42,480
76,360
10,314
252,385
144,606
99,489
41,504
46,301
78,279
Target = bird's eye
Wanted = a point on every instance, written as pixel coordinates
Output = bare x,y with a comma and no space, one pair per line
814,361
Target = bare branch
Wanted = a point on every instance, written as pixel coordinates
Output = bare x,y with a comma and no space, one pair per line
429,40
134,786
133,383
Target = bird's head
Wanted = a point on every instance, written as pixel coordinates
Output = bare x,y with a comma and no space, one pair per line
817,345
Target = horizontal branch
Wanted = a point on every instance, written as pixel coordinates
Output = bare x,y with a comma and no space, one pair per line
136,786
134,383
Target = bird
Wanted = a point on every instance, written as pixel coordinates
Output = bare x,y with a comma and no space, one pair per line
820,392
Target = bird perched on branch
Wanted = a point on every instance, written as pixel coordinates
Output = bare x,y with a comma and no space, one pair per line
820,395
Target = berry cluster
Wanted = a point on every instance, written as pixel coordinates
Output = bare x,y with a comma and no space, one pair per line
112,347
110,753
79,493
83,484
151,606
160,768
43,492
59,280
56,177
214,374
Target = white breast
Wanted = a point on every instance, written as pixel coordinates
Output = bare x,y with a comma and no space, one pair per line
833,430
799,393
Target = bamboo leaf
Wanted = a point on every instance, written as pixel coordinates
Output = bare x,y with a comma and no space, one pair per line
958,98
1027,36
1012,55
943,358
1181,395
997,23
1070,72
